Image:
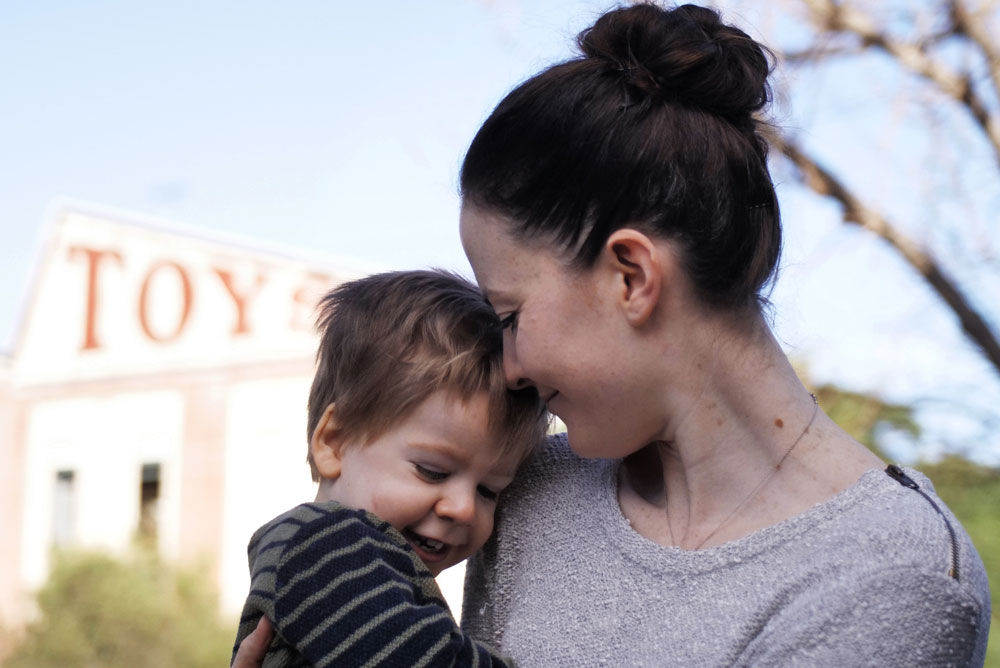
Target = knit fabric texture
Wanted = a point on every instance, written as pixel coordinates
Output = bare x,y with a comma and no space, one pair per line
343,588
861,579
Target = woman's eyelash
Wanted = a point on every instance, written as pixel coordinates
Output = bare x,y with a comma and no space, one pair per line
509,321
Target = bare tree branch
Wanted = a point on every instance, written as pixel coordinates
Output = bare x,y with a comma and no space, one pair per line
936,38
834,17
857,212
823,52
975,26
818,53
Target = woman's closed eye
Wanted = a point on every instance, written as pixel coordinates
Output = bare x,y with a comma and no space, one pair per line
509,321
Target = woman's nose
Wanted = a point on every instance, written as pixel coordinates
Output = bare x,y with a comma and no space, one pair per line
458,505
516,378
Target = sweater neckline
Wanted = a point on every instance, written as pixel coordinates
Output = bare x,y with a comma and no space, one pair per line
653,555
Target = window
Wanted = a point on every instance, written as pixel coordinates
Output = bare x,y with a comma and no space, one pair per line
64,509
149,497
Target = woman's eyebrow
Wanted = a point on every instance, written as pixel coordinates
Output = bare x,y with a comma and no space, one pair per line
494,296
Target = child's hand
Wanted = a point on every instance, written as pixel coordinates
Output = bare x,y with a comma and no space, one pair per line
254,646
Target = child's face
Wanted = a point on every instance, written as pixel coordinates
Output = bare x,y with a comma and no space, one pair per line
435,476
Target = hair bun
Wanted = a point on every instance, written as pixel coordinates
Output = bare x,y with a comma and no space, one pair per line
686,54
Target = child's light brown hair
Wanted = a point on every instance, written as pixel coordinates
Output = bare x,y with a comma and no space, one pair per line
388,341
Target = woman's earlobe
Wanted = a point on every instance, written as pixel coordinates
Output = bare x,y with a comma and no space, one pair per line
326,444
639,262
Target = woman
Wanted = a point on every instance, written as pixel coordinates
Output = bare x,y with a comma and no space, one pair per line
701,510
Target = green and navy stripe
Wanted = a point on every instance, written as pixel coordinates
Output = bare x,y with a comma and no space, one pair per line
343,588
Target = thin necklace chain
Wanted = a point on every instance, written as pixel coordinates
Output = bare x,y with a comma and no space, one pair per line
760,485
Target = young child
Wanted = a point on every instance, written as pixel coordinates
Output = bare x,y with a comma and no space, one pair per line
412,437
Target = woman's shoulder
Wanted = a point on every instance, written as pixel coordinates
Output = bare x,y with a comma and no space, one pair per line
886,559
930,518
893,520
899,505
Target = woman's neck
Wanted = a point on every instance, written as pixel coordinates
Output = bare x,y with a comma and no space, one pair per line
745,447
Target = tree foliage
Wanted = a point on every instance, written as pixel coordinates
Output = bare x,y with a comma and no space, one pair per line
97,610
864,416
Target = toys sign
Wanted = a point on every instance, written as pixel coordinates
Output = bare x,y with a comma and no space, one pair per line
114,297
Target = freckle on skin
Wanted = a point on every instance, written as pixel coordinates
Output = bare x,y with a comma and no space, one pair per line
718,422
779,423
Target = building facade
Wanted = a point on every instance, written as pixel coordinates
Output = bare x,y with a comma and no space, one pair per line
157,387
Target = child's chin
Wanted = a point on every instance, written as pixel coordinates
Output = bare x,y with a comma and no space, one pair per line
435,569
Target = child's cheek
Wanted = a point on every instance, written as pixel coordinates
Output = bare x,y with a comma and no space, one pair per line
383,509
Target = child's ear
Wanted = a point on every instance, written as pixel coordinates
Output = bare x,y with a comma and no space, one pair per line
639,264
326,444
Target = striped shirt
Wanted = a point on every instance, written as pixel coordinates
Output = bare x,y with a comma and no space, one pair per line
343,588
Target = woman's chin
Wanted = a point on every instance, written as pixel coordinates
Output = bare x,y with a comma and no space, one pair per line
584,446
589,443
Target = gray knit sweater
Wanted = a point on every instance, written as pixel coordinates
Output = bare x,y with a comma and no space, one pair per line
859,580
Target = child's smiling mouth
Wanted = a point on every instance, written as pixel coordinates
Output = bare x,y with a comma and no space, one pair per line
426,547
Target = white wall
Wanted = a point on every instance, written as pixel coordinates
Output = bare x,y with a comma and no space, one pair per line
104,441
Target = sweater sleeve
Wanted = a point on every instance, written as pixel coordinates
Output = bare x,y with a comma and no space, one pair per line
892,618
484,612
492,573
349,592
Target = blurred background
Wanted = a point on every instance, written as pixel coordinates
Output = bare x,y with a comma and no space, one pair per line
178,181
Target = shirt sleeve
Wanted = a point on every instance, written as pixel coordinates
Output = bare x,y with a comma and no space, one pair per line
347,594
892,618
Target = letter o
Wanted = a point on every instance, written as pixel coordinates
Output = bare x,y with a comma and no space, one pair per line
185,313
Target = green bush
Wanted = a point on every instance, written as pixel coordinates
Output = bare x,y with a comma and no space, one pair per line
97,610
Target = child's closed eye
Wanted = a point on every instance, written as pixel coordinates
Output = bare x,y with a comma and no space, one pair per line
433,475
487,493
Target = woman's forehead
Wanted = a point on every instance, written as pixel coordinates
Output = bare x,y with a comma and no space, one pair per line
476,221
487,239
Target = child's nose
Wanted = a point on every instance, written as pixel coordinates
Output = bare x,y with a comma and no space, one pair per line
458,504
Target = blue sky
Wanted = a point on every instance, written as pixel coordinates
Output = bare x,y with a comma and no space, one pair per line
339,128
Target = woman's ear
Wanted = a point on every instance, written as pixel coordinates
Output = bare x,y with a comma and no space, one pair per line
640,266
326,444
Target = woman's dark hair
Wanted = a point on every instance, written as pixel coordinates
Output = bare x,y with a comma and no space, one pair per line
654,127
